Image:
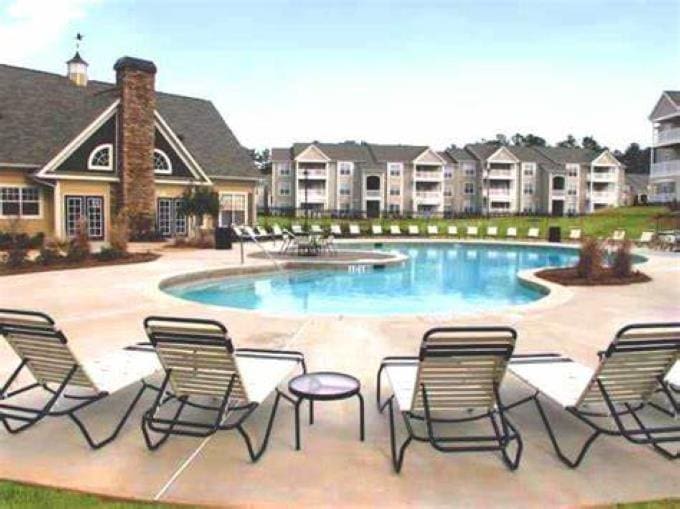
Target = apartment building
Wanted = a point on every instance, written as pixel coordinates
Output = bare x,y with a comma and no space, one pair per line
664,178
412,179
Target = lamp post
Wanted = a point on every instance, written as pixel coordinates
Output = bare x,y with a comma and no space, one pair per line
306,181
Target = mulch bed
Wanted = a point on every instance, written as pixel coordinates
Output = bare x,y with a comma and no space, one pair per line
31,267
569,277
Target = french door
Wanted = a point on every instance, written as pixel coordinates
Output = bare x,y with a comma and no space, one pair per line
169,221
90,208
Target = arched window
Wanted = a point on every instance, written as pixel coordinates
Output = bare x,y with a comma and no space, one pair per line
101,158
161,162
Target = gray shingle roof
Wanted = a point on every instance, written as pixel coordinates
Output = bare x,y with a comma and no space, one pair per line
41,112
387,153
345,151
638,182
459,154
674,95
562,155
281,154
482,150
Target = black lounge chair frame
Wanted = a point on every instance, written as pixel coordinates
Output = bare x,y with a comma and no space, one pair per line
504,432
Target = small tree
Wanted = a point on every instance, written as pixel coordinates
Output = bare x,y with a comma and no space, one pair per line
198,202
79,246
590,259
622,264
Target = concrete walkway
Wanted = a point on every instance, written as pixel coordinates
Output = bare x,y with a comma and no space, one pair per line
102,310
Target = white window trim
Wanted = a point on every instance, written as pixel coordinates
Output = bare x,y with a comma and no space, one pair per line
95,167
351,168
246,215
284,165
465,186
395,165
167,160
20,215
285,185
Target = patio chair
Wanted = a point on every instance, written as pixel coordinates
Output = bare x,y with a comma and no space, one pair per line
336,230
455,379
511,232
630,371
315,229
277,232
432,229
204,372
376,229
354,230
297,229
533,233
238,231
395,229
288,243
472,231
249,234
452,231
672,383
618,235
575,234
413,229
69,384
262,232
492,231
645,239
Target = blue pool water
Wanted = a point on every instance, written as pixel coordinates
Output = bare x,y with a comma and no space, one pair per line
437,278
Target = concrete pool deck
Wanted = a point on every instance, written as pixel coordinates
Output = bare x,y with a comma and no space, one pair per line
101,310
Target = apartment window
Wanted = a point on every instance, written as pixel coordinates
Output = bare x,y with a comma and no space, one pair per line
572,170
20,201
394,169
571,210
233,209
90,208
284,189
345,190
345,168
469,188
394,208
100,158
283,169
448,192
528,189
345,206
503,205
571,191
528,209
469,169
467,206
448,172
528,169
395,191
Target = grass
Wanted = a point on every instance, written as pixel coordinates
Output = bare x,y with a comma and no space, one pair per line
634,220
20,496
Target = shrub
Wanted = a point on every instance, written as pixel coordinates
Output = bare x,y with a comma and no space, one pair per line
79,246
590,259
17,248
120,232
110,253
622,263
16,256
50,253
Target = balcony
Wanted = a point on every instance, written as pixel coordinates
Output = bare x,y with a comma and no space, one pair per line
558,194
429,197
667,137
499,173
666,169
373,193
499,192
312,195
313,173
429,176
602,176
602,196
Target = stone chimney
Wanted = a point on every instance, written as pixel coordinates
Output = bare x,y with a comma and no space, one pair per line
135,80
76,70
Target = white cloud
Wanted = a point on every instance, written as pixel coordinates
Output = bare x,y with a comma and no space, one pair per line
28,27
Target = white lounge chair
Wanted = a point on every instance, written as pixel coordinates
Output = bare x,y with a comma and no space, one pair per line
432,229
395,229
575,234
646,238
630,371
201,364
619,235
297,229
452,230
511,232
69,384
316,229
533,233
413,229
249,233
376,229
336,230
354,230
492,231
457,375
472,231
277,232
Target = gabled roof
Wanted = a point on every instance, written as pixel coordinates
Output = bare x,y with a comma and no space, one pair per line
533,154
459,154
396,153
564,155
40,113
667,106
281,154
345,151
674,96
482,151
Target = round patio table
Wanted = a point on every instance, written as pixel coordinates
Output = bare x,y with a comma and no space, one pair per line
324,386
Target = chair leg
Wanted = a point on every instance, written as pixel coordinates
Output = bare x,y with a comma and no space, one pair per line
256,455
579,458
98,445
151,445
397,459
509,435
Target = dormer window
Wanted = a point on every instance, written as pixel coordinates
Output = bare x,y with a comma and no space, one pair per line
161,162
101,158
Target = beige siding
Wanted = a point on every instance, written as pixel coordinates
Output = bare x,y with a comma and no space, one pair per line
44,223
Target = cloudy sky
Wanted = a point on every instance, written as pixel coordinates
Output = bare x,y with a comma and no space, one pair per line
407,71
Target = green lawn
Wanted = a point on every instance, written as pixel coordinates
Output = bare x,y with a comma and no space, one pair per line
634,220
19,496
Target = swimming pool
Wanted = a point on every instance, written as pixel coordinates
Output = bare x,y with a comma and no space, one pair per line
437,278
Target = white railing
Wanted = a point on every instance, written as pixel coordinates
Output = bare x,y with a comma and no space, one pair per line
312,195
666,169
557,193
499,191
602,176
373,193
667,136
504,173
429,196
429,175
663,197
602,195
312,173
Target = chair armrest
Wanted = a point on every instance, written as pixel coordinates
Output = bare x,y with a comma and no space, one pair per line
264,352
399,359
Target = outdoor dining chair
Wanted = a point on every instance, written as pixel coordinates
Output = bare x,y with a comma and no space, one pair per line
455,379
68,384
204,373
609,398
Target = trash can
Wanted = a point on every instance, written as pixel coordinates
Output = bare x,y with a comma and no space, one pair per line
554,234
223,238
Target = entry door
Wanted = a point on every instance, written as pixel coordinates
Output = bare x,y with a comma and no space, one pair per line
373,208
89,207
558,208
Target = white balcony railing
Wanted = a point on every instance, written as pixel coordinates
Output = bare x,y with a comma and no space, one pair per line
429,197
666,169
602,196
315,173
312,195
373,193
499,191
602,176
557,193
499,173
667,136
429,175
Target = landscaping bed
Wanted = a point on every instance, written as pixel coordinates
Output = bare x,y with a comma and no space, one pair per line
570,277
93,261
